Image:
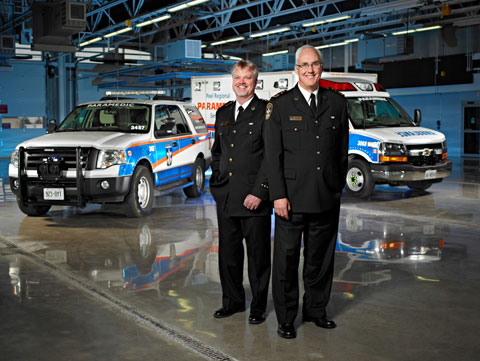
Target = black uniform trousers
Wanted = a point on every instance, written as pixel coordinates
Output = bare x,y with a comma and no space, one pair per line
319,238
256,231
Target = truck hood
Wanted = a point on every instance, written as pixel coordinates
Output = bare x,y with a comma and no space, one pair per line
99,140
406,135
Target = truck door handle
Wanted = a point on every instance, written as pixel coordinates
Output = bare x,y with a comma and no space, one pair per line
194,141
174,144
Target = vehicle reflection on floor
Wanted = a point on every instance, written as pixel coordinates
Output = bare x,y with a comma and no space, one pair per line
130,255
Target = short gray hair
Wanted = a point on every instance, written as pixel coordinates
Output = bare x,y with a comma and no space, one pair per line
307,46
246,64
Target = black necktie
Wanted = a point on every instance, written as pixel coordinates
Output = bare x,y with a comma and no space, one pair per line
240,109
313,104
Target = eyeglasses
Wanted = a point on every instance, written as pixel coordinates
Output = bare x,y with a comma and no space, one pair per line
314,65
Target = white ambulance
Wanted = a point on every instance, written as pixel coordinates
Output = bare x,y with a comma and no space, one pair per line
385,145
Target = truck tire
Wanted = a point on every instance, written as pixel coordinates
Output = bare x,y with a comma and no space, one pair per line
139,200
198,177
420,185
360,182
32,210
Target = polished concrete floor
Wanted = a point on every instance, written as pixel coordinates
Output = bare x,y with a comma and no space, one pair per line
90,284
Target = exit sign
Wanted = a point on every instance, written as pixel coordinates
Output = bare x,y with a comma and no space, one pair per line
3,108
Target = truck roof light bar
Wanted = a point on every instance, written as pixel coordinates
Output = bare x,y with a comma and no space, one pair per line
135,92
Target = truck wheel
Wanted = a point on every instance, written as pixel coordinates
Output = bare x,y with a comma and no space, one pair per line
359,179
420,185
32,210
139,200
198,177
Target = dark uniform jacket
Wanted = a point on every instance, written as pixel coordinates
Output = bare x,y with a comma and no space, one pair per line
307,154
237,159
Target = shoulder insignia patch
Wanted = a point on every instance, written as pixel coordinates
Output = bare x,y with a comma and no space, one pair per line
280,93
268,111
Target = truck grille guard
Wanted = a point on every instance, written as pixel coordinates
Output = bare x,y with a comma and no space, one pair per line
49,166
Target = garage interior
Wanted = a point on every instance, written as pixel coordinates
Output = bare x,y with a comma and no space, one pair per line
90,284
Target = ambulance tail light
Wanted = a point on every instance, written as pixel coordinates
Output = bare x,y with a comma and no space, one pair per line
336,86
379,88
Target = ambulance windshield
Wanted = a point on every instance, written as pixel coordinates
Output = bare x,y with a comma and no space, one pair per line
377,112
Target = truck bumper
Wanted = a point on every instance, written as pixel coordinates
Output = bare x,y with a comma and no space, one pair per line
408,172
92,191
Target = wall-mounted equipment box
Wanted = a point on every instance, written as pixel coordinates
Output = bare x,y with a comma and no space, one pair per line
55,22
7,46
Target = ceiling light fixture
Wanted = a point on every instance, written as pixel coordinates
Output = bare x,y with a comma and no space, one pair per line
409,31
270,32
161,18
346,42
88,42
121,31
324,21
276,53
186,5
240,38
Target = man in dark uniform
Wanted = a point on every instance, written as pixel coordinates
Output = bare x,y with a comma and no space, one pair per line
239,186
306,148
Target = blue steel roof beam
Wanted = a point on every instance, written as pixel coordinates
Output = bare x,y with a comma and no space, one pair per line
266,16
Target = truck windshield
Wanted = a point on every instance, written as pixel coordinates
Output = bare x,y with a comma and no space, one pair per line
110,117
377,112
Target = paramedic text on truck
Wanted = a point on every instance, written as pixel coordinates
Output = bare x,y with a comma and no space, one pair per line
385,145
113,151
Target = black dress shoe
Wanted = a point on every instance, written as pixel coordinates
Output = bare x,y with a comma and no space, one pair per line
286,330
320,321
226,312
256,318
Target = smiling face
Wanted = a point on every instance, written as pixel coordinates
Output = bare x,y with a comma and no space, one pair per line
309,69
244,83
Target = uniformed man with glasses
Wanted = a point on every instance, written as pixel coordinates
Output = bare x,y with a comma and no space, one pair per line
306,149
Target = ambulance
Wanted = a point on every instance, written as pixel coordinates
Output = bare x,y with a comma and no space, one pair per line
386,146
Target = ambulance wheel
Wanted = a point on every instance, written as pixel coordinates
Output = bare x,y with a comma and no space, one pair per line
360,182
198,177
32,210
420,185
139,200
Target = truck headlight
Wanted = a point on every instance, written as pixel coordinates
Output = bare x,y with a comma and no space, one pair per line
392,152
110,157
14,158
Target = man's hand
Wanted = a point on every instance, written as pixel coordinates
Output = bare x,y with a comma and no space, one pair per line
251,202
282,207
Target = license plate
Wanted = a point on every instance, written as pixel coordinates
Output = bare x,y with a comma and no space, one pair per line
430,174
53,194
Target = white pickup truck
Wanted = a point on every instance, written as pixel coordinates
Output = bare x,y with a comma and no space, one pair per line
385,145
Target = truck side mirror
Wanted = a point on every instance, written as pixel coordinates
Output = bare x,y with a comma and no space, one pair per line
52,125
417,117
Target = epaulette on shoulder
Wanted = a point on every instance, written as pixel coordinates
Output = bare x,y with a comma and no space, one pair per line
227,104
280,93
335,91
